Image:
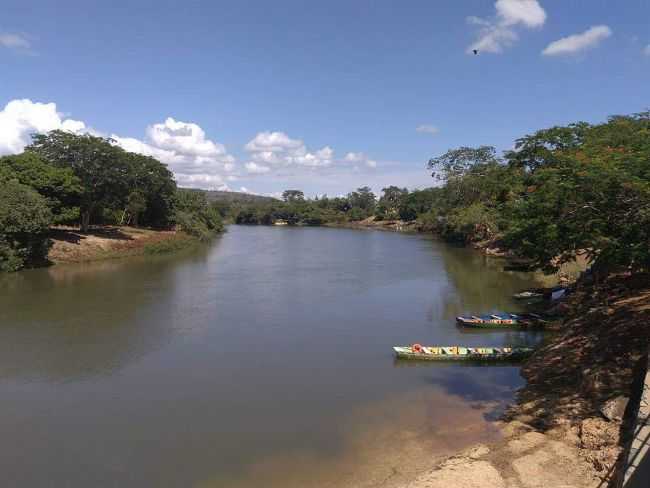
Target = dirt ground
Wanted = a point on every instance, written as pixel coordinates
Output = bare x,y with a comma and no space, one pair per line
71,246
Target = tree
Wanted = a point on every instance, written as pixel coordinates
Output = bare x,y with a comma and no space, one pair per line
154,183
195,216
390,201
59,186
24,222
293,196
363,199
591,198
100,166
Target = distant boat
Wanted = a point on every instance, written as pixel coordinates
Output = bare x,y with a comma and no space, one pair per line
528,295
501,320
554,293
488,319
460,353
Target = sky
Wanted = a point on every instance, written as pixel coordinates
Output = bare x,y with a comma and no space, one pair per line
322,96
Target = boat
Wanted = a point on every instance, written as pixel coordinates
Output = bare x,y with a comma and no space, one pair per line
461,353
528,295
488,320
554,293
502,320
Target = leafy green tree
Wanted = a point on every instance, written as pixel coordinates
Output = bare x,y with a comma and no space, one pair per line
293,196
24,222
389,203
151,179
417,203
100,166
59,186
591,198
195,216
364,200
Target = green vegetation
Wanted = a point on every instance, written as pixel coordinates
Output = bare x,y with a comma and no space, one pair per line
63,178
563,191
24,222
195,216
179,242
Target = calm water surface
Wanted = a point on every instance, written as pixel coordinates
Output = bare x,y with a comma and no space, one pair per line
262,360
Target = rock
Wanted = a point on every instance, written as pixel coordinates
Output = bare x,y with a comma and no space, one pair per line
615,408
461,473
477,452
526,442
514,428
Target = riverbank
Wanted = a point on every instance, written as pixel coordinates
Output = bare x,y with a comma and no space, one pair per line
109,242
570,423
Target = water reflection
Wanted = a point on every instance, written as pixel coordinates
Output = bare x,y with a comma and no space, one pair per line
270,348
75,321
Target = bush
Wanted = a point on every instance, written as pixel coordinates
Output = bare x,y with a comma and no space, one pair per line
195,216
24,223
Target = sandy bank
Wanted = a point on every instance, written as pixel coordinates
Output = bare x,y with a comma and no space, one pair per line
71,246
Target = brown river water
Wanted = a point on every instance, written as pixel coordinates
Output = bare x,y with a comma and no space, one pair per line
261,360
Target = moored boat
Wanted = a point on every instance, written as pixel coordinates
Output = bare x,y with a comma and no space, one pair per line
461,353
528,295
554,293
488,320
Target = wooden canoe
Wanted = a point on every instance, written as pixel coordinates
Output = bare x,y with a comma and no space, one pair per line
460,353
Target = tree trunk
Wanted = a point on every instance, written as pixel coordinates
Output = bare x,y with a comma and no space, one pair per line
85,221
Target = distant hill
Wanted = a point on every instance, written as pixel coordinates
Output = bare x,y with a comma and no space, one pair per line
236,197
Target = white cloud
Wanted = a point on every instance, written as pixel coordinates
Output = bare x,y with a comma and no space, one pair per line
195,160
14,41
360,157
273,142
527,12
427,129
646,50
499,32
278,149
578,42
21,118
255,168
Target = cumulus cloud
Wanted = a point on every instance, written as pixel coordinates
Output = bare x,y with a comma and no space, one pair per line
255,168
577,43
278,149
14,41
21,118
499,32
427,129
195,160
360,157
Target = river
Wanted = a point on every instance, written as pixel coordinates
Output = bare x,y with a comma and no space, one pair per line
261,360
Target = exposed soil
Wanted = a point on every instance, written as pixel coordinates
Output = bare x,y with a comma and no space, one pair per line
373,223
72,246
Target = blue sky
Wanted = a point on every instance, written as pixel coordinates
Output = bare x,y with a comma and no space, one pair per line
322,96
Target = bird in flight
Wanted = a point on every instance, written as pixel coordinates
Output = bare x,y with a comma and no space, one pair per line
475,51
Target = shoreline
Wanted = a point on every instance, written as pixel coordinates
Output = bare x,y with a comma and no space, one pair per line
69,245
572,421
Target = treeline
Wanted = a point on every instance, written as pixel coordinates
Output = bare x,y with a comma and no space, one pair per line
68,179
563,191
